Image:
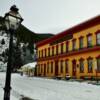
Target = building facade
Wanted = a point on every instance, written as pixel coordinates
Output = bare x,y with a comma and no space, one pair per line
74,52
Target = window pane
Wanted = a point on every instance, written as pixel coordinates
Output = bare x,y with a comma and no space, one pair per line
89,41
81,42
74,44
90,64
66,66
81,66
98,38
98,64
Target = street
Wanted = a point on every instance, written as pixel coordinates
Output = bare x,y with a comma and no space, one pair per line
49,89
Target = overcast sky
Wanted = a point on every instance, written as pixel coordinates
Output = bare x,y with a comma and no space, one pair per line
52,16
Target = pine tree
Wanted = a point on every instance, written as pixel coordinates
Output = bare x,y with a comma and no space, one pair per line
17,60
2,41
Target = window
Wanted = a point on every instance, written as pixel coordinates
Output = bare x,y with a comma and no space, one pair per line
62,45
98,64
51,67
48,51
81,65
66,66
48,67
90,65
45,52
81,42
61,66
42,53
53,51
39,54
89,40
98,38
67,43
57,49
74,44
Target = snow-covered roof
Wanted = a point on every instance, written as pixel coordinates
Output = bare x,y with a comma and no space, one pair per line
30,65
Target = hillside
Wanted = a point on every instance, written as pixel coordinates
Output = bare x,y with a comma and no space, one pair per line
26,35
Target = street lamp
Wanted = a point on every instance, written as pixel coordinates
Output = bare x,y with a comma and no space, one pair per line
12,21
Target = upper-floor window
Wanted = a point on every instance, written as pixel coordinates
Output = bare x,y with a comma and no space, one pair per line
98,38
45,52
98,64
81,42
81,65
62,45
74,44
52,50
89,40
39,54
48,51
57,49
90,65
67,45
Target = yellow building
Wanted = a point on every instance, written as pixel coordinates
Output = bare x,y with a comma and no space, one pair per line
74,52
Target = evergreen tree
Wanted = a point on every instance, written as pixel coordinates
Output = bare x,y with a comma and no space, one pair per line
2,41
17,60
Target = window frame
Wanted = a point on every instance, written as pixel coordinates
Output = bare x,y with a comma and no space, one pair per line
81,38
88,42
62,47
74,44
67,46
61,66
90,71
81,61
66,66
97,38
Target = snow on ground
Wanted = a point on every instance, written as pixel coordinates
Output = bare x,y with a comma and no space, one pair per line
49,89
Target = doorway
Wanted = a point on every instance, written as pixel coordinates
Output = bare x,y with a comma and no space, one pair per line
74,68
56,67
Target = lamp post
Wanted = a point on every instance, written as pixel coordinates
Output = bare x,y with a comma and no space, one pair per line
12,21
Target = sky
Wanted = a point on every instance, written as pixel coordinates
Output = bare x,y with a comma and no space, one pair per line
52,16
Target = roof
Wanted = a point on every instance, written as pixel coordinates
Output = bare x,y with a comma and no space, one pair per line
30,65
77,28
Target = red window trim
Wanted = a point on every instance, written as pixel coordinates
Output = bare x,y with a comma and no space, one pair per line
81,59
98,31
81,37
89,34
89,58
98,56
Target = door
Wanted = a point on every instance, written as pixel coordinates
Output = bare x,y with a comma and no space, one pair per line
56,68
74,68
44,69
